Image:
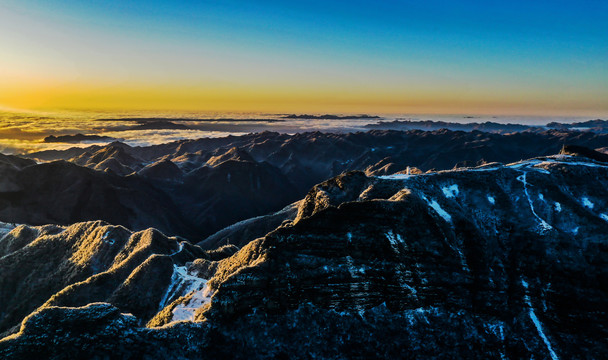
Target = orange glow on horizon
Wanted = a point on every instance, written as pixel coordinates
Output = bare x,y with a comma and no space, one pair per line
222,97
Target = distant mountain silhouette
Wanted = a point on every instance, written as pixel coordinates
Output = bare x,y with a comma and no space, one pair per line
329,117
598,125
430,125
77,138
158,125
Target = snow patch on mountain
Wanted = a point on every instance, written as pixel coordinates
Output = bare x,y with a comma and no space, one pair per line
180,247
450,191
396,177
587,203
394,240
527,163
538,164
186,311
107,239
182,283
438,209
541,170
558,207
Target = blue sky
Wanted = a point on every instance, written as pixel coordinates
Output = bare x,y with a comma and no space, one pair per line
442,56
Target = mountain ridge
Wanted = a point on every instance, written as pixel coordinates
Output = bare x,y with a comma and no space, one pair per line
276,167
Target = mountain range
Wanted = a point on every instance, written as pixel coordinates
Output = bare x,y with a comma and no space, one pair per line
492,261
194,188
595,126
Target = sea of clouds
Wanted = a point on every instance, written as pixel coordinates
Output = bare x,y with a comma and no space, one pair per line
24,132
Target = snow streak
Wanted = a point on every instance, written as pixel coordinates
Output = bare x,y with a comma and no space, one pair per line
537,323
544,225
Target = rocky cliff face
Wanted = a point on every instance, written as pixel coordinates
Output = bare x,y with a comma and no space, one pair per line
499,261
520,249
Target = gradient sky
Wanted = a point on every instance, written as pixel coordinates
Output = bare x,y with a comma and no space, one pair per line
476,57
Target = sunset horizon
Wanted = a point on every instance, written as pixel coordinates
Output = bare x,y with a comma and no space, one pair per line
445,58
